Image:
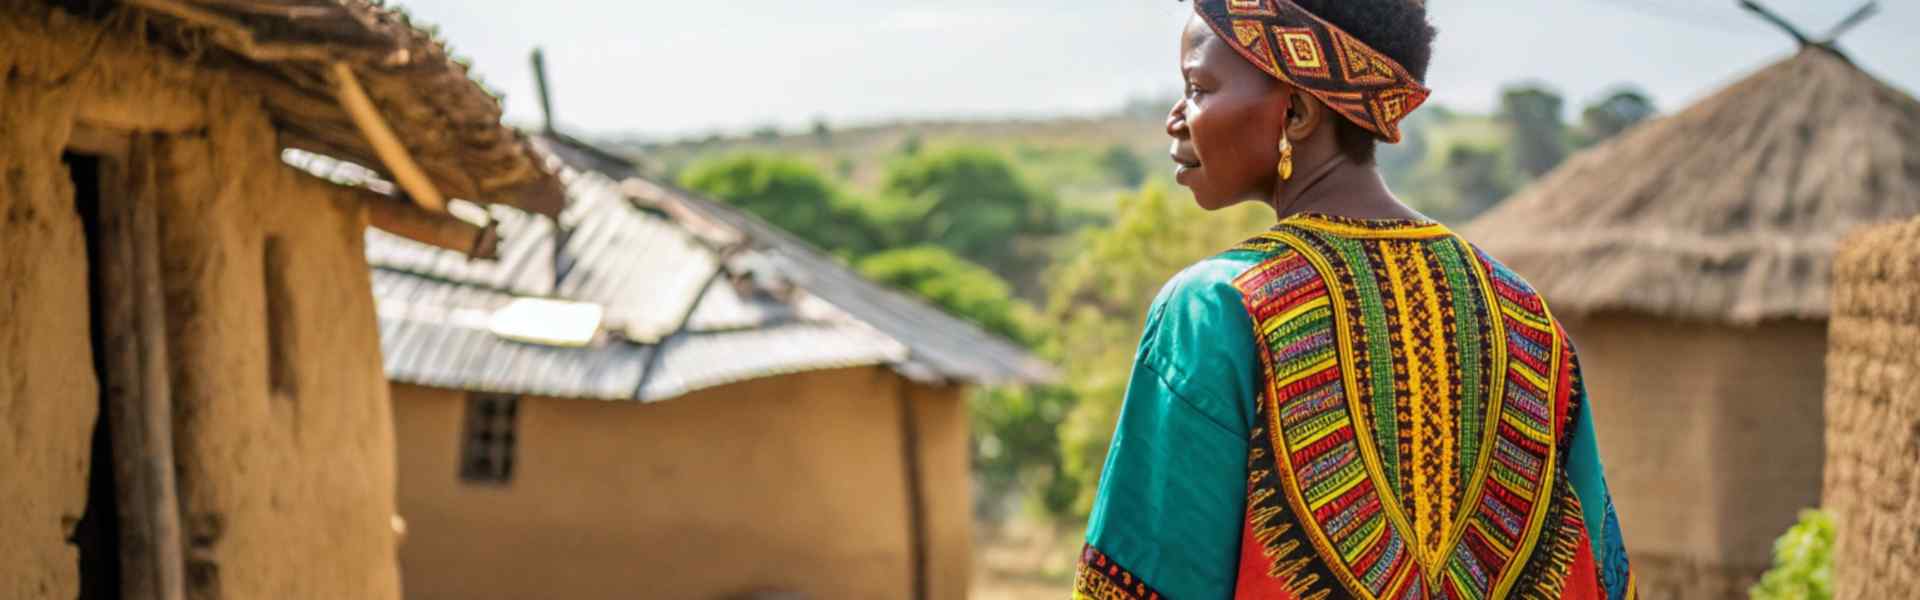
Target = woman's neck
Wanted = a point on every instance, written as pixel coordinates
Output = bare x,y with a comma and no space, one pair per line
1345,189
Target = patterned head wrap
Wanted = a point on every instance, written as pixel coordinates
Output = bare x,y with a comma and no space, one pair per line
1361,84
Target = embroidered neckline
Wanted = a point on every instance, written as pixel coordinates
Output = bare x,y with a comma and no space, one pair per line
1366,228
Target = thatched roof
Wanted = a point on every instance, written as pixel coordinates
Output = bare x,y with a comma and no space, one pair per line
292,50
1729,210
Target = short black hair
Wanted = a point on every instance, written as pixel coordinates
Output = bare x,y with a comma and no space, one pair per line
1397,28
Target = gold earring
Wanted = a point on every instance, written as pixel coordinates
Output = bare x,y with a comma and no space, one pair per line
1286,158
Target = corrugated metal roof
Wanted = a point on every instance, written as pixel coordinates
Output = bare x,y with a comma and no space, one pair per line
949,347
702,360
683,311
435,333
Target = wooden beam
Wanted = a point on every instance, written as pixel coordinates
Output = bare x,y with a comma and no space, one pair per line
440,230
87,138
156,387
137,393
1777,20
916,492
233,35
385,143
540,83
282,9
397,217
1860,15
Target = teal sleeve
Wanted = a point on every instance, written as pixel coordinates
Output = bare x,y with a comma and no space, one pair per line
1173,491
1596,502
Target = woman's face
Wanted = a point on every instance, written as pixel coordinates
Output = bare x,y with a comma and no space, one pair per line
1226,130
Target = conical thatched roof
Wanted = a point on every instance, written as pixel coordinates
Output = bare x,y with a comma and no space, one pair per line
1727,211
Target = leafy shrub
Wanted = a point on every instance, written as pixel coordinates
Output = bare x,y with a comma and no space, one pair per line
1802,561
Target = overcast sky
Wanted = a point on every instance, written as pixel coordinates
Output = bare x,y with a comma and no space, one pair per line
663,68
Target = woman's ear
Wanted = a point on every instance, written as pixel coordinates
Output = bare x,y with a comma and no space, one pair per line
1305,115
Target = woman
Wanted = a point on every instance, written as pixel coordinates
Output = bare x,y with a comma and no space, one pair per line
1357,404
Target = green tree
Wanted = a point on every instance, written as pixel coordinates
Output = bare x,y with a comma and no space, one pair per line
1099,304
962,288
968,200
789,193
1802,562
912,145
1539,136
822,132
1016,448
1125,166
1620,110
1477,179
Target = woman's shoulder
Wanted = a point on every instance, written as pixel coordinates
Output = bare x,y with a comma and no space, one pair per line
1210,281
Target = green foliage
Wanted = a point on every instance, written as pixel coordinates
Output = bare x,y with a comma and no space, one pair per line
1477,178
1124,166
788,193
968,200
912,145
1099,303
1539,136
1617,112
1016,447
1802,562
962,288
822,132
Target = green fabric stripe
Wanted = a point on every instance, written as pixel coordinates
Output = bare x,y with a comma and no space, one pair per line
1466,336
1379,357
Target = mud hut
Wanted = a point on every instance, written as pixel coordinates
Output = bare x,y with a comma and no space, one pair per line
733,412
1873,413
189,359
1690,258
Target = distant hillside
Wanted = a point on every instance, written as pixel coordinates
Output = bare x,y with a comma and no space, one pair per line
1065,156
1449,164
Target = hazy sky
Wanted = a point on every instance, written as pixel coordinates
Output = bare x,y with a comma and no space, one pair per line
673,68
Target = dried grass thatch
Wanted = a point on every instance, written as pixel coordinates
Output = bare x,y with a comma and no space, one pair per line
1728,211
449,124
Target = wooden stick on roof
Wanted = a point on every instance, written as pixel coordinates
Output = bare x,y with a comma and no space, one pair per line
405,171
540,81
1860,15
1777,21
1826,42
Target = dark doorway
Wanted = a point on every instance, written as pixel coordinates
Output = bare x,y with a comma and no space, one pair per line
98,533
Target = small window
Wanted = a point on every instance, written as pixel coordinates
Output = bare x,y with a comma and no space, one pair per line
486,456
283,371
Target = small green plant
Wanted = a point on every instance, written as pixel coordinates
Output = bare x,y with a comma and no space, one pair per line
1802,561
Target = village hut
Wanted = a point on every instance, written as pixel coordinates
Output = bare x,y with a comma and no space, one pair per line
189,370
1873,414
667,397
1690,260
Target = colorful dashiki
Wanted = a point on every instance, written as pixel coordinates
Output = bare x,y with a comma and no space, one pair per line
1348,408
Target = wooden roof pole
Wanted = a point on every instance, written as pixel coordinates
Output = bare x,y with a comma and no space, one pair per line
1859,16
406,172
540,82
1777,21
